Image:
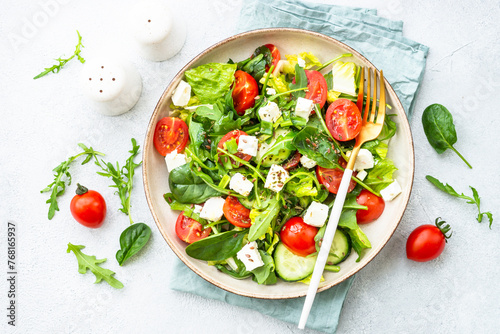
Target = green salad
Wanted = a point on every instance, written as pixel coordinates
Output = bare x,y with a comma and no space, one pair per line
256,151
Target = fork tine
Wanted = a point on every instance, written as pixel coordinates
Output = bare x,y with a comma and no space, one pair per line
368,90
381,105
361,93
374,104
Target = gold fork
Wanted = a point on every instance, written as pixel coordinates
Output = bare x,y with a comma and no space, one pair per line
371,128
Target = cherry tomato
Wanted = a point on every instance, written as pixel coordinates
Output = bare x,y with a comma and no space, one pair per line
189,230
236,213
343,119
171,133
375,206
331,177
425,243
235,134
88,207
244,92
317,89
298,236
293,161
275,53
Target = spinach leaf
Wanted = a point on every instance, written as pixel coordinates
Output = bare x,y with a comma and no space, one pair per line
210,81
211,113
440,130
187,187
265,274
263,220
359,241
470,200
265,52
381,175
329,80
300,81
255,66
237,274
217,247
315,144
388,129
132,240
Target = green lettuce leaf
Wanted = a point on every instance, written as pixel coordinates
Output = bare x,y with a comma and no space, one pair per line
210,81
381,175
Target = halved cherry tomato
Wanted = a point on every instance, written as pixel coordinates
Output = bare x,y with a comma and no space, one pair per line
298,236
331,177
343,119
244,92
375,206
190,230
171,133
275,53
293,161
88,207
317,89
236,213
235,134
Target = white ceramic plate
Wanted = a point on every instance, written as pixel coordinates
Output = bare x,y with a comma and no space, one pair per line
239,47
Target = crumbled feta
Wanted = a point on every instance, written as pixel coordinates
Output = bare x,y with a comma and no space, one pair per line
270,112
182,94
174,160
248,145
270,91
241,184
306,162
316,214
250,256
391,191
197,209
304,107
364,160
212,210
276,178
230,261
301,62
361,175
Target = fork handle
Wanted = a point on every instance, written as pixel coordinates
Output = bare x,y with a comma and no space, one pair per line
325,246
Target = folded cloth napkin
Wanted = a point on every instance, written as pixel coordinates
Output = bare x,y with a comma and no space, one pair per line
381,41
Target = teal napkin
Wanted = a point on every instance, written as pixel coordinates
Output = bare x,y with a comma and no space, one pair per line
382,42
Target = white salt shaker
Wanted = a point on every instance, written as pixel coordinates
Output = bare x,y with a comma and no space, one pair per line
159,33
113,85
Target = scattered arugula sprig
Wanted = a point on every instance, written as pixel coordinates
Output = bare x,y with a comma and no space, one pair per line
471,200
62,61
63,177
122,177
90,262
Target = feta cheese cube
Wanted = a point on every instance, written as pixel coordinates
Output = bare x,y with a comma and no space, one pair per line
276,178
270,91
174,160
391,191
250,256
361,175
241,184
304,107
248,145
182,94
270,112
301,62
316,214
364,160
230,261
306,162
212,210
197,209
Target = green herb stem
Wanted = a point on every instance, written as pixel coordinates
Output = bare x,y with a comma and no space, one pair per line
244,162
333,60
461,156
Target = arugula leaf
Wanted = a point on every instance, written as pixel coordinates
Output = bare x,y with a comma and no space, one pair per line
282,142
122,177
300,82
90,262
187,187
380,176
470,200
440,130
210,81
313,143
261,220
132,240
56,68
217,247
62,176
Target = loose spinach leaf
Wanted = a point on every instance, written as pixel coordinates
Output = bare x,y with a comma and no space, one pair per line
217,247
187,187
210,81
300,81
440,130
90,262
263,220
132,240
314,144
470,200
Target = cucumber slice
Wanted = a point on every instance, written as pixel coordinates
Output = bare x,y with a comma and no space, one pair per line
341,248
291,267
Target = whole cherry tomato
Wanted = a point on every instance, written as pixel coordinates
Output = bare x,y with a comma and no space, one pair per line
88,207
427,242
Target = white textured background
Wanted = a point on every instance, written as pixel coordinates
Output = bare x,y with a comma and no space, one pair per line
43,120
